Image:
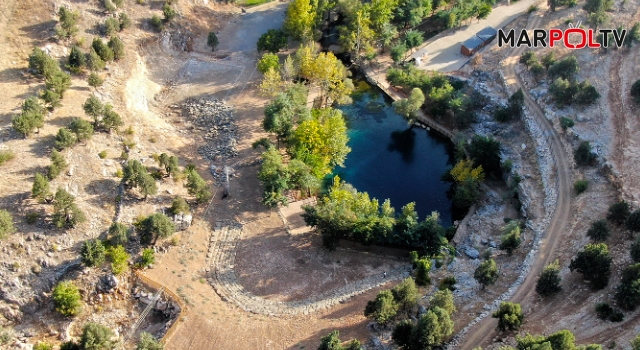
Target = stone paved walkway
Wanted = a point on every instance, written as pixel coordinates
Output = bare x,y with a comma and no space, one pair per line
221,275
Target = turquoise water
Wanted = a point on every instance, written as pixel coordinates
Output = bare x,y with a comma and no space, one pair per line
390,160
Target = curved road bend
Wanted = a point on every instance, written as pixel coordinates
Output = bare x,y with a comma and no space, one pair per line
485,330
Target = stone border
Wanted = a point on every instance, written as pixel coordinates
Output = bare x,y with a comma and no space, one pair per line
221,255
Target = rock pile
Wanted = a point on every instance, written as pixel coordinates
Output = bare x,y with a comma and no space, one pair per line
107,283
215,119
167,307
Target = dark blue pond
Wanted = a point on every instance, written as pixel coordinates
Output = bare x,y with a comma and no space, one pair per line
390,160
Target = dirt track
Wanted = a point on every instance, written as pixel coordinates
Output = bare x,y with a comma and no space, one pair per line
485,330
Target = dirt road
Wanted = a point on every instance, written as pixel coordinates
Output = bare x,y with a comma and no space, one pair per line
484,331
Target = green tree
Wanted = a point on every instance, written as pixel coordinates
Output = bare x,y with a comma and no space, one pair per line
96,337
118,234
147,258
180,206
136,175
148,342
383,309
549,60
487,273
66,297
509,316
268,61
594,262
93,252
65,212
77,59
125,21
65,138
583,154
410,13
444,300
510,239
484,10
212,40
111,26
67,23
31,117
169,163
413,38
402,333
40,188
94,108
549,281
381,13
423,267
407,107
43,346
406,294
198,187
635,250
593,6
274,177
41,63
635,343
485,151
566,68
599,231
273,41
432,329
628,291
331,342
58,164
386,34
168,12
117,47
94,61
94,80
103,50
58,82
299,20
271,83
155,226
398,52
633,221
119,259
82,128
110,119
6,224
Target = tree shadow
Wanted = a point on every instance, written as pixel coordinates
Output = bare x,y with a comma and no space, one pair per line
43,145
403,142
40,31
13,75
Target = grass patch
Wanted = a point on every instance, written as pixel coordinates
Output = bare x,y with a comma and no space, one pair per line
253,2
581,186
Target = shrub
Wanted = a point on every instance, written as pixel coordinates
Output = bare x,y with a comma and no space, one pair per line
168,12
633,221
6,155
537,70
42,63
125,21
566,123
65,138
77,59
532,8
111,26
422,273
448,283
119,259
487,273
68,21
383,309
82,128
619,212
6,224
212,40
147,258
93,252
109,5
117,46
179,206
599,231
528,58
94,80
197,186
509,316
402,333
580,186
398,52
627,292
102,154
510,239
51,98
154,227
635,91
110,119
549,282
583,154
148,342
273,41
102,49
594,262
58,164
635,250
565,68
58,82
156,22
118,234
66,297
41,345
549,59
40,188
268,60
94,61
96,336
65,212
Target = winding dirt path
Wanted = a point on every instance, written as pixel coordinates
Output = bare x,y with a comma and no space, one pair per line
484,331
